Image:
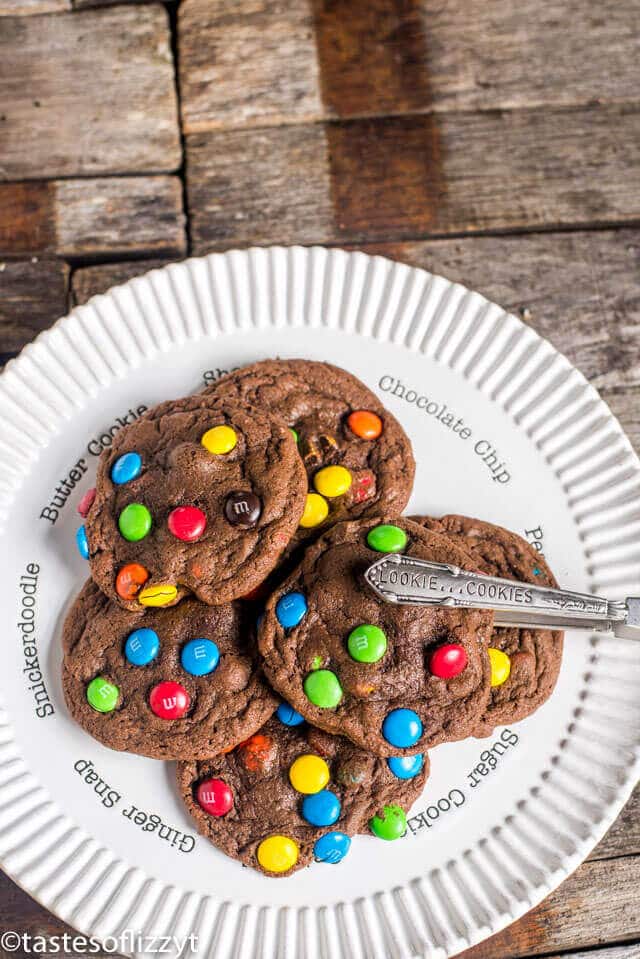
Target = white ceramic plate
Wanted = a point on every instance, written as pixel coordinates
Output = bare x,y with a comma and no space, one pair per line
503,820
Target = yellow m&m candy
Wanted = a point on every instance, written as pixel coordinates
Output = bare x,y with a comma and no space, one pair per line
309,774
219,440
332,480
161,594
277,853
500,666
316,510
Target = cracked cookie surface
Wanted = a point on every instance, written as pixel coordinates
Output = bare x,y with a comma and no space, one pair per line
251,805
357,457
393,679
126,676
199,496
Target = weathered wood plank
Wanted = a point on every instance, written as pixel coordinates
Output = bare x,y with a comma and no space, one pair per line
404,177
598,904
83,4
630,951
23,8
245,63
93,217
90,280
89,94
32,296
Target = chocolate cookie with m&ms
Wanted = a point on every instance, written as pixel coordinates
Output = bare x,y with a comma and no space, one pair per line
166,683
199,496
357,457
525,663
291,795
393,679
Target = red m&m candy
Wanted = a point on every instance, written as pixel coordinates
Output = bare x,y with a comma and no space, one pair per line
448,661
169,700
187,523
214,796
86,502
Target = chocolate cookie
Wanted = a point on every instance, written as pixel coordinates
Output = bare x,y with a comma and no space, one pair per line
173,683
357,456
393,679
292,793
198,496
525,662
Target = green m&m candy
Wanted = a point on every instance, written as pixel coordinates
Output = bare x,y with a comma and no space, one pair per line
391,823
387,538
322,688
367,644
134,522
102,695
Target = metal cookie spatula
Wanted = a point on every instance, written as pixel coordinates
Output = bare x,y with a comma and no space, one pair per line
417,582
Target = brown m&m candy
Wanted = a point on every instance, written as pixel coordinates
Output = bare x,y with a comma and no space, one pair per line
242,508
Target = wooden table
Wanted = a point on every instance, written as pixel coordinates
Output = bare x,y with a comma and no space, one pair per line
494,141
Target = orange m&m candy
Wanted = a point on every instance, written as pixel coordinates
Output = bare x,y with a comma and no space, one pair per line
130,579
365,424
258,752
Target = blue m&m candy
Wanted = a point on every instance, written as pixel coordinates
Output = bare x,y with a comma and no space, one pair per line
126,468
288,715
332,847
321,809
200,657
142,646
402,728
82,542
406,767
290,609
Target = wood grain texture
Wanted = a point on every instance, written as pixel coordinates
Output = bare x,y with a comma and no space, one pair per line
32,297
88,94
598,904
23,8
246,63
91,280
85,4
630,951
415,176
93,218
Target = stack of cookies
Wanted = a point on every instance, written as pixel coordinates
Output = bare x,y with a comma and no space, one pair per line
227,623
